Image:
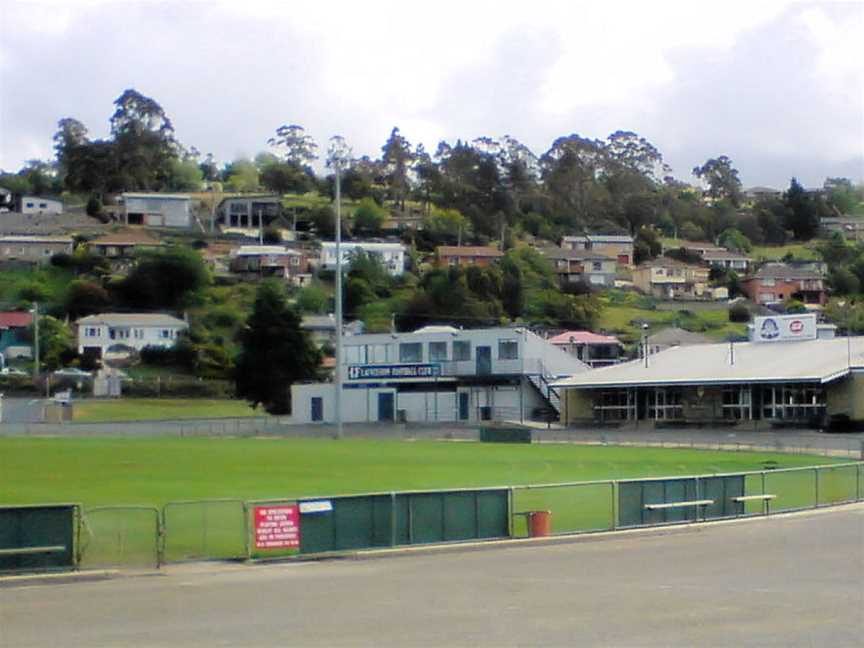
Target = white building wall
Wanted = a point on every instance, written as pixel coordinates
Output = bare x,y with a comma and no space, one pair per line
159,211
392,255
138,336
35,205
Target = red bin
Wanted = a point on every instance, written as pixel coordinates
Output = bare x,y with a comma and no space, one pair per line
540,523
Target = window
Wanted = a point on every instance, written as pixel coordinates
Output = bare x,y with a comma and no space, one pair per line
30,205
437,351
165,334
461,350
355,355
376,353
91,331
597,266
139,334
43,206
508,349
410,352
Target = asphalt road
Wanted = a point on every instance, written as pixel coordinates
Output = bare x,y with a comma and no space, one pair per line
786,581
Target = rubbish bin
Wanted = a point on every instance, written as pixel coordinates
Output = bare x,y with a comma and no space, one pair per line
540,524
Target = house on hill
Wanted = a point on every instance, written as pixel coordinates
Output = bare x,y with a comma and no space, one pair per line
121,247
667,278
591,348
120,334
262,261
33,250
463,256
14,338
157,210
617,246
591,268
777,282
391,255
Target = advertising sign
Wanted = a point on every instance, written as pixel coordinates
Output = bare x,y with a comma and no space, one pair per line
277,527
783,328
319,506
365,372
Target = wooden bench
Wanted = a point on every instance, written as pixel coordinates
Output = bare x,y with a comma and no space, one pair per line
750,498
32,550
669,505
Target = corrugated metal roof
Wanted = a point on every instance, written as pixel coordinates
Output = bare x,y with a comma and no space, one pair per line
131,319
809,361
473,251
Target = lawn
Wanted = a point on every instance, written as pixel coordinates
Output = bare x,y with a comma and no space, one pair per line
137,409
157,470
153,471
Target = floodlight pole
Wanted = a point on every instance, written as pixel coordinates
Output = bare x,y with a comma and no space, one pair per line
338,399
35,340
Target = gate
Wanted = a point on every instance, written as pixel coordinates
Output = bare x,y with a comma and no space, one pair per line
127,536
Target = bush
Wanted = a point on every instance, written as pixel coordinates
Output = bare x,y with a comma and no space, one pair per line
739,313
94,206
174,388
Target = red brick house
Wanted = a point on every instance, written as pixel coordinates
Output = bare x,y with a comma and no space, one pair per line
777,282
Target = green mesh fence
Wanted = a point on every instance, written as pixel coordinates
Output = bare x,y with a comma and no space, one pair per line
206,529
575,508
126,536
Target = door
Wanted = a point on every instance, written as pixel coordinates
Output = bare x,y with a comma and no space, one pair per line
484,360
463,405
317,408
385,407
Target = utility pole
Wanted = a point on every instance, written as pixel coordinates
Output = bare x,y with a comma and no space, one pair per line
35,340
338,155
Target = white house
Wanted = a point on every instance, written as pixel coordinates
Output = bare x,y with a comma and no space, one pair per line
391,255
121,333
440,373
157,209
37,205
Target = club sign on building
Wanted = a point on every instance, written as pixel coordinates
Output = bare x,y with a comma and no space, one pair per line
783,328
365,372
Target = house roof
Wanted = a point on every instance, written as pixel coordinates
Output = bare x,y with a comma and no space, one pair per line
160,196
667,262
575,255
783,271
131,319
722,253
36,239
127,237
816,361
674,336
269,250
468,250
15,319
602,238
582,337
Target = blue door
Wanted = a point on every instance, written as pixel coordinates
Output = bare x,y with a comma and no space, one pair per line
385,407
317,408
484,360
463,405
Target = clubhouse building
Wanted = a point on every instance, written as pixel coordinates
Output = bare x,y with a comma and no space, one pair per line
441,373
791,371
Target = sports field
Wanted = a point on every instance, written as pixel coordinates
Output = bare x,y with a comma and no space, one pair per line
100,471
154,471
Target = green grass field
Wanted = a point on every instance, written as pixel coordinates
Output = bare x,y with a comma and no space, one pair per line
138,409
154,471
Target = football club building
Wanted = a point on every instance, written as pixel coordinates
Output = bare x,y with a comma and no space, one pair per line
791,371
440,373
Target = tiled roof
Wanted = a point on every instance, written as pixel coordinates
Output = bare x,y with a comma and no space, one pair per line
582,337
131,319
472,251
15,319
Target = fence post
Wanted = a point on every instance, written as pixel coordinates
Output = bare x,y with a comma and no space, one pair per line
392,519
613,492
509,511
765,507
247,545
816,480
160,537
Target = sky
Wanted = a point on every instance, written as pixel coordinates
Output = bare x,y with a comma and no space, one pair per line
778,87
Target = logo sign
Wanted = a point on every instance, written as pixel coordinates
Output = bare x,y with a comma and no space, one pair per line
784,328
365,372
319,506
277,527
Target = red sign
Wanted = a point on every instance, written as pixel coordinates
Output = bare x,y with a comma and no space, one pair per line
796,326
277,527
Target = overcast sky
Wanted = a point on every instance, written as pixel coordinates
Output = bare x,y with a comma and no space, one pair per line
776,86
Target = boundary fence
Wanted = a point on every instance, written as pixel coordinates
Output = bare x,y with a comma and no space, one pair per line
225,529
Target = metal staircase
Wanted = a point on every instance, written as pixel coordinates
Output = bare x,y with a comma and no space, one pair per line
542,380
